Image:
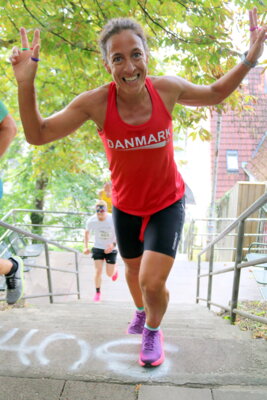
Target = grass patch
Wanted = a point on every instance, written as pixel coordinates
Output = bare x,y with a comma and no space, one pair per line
257,329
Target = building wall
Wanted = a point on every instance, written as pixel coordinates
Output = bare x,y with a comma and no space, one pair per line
240,132
238,199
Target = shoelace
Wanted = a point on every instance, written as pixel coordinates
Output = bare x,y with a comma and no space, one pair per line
149,340
11,282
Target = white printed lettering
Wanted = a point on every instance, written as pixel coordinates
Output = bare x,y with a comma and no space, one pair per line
152,139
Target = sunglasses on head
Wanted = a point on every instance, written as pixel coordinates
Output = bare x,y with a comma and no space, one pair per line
100,209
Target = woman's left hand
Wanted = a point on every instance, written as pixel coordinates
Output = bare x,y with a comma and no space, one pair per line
258,35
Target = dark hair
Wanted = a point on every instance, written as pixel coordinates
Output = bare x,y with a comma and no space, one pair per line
117,25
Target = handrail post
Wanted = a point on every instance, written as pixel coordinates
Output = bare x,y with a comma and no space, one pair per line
198,278
191,240
49,278
210,276
77,276
237,271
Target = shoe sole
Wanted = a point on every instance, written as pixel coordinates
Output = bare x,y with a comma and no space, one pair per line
21,266
157,362
132,333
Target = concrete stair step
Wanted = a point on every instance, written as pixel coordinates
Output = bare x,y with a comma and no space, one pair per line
191,320
86,341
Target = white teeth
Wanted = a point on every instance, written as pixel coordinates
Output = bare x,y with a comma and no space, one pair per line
132,78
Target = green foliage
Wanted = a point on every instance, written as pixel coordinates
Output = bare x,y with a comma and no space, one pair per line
190,36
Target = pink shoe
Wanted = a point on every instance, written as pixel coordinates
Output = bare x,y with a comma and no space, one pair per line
97,297
115,276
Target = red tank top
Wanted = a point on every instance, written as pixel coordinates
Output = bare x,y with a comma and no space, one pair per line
144,175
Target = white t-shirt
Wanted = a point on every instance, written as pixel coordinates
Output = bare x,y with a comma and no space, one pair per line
103,231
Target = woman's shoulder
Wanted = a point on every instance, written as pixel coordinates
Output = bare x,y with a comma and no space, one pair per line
98,94
169,89
94,103
165,82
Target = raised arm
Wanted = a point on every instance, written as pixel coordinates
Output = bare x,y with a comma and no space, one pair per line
39,130
8,130
196,95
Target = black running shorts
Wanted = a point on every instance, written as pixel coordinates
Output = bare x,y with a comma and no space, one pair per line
162,233
99,254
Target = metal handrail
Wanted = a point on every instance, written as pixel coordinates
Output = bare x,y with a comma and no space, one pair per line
48,268
192,235
239,222
57,229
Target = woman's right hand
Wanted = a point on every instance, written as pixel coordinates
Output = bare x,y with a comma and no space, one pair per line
23,63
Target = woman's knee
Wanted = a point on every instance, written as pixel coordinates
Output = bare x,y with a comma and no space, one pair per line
152,287
132,265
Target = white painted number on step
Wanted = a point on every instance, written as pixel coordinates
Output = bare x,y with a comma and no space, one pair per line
118,355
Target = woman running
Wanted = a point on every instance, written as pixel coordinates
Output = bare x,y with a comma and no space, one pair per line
133,117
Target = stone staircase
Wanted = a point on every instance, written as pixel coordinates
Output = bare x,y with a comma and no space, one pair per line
87,342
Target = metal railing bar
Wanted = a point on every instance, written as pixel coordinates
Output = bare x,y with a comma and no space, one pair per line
254,207
48,268
71,241
51,268
50,212
50,294
250,316
222,248
50,226
36,237
7,215
237,272
77,276
220,306
251,263
214,304
227,219
201,299
230,234
6,233
198,280
220,271
211,260
48,272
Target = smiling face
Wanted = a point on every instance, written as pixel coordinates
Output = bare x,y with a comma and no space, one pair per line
127,61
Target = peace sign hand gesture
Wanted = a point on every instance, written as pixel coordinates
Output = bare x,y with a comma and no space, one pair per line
25,60
257,37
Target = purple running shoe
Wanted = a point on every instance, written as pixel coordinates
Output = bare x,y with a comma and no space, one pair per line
137,324
152,352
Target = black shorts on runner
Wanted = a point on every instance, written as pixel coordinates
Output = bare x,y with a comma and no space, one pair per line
98,254
162,233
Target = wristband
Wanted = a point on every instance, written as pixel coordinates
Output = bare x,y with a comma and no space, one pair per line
245,61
